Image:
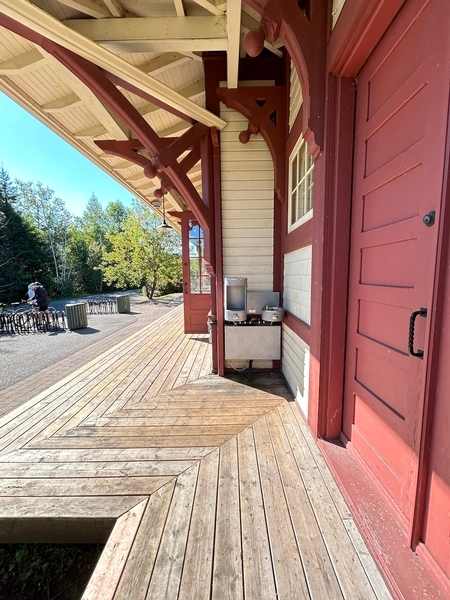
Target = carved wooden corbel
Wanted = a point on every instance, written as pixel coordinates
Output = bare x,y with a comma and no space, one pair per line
265,109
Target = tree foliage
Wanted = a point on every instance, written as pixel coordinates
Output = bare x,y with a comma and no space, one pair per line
103,250
22,258
140,255
51,218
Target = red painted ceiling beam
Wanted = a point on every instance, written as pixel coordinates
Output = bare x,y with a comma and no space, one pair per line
97,81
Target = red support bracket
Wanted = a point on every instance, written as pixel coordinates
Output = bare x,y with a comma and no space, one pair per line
265,109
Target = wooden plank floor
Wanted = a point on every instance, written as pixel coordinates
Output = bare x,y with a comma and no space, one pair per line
205,488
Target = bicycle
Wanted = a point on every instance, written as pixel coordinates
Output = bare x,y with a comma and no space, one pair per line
51,319
8,317
26,319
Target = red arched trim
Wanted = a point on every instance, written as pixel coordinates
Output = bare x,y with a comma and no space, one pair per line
305,40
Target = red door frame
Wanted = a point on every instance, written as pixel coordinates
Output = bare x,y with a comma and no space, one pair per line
360,27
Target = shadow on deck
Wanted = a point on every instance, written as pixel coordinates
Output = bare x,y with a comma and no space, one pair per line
202,487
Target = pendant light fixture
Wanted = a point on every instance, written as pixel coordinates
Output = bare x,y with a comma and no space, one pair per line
164,225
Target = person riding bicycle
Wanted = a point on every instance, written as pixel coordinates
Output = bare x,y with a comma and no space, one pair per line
41,299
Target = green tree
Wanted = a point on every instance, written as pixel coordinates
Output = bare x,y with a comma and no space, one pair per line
22,258
88,241
115,214
50,216
141,255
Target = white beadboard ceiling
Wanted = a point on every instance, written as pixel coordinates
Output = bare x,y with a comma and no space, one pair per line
155,45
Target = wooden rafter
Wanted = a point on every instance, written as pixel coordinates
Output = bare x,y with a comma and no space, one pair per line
191,91
108,123
93,8
164,62
234,36
161,34
22,63
30,22
211,7
115,8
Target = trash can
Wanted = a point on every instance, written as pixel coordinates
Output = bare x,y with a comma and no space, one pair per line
123,304
76,315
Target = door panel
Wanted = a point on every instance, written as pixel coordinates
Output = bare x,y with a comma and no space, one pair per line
196,283
399,150
436,534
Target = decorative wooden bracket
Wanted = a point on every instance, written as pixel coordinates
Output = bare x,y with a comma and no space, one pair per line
164,154
302,27
265,109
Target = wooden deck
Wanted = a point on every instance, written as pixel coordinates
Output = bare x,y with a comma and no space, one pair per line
203,488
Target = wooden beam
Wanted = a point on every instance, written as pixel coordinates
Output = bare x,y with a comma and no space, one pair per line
179,8
115,8
197,56
93,8
108,121
162,34
234,38
31,22
211,7
21,63
164,62
90,132
191,91
123,166
61,104
178,128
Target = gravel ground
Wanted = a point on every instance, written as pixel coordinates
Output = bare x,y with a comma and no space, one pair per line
24,355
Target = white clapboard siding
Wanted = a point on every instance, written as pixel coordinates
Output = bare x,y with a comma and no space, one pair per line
295,357
247,204
295,96
297,283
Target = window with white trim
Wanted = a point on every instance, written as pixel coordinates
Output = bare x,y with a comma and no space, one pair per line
301,185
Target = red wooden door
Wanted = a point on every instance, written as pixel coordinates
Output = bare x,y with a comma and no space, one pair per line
402,103
196,283
436,529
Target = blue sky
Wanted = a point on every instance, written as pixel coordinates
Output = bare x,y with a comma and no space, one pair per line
29,151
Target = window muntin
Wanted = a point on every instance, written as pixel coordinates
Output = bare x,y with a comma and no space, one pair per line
199,282
301,186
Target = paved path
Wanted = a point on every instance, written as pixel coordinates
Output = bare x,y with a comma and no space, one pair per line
31,363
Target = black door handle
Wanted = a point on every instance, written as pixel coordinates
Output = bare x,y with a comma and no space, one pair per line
412,325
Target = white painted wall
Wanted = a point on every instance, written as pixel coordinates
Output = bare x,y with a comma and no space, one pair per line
297,283
295,96
295,357
247,204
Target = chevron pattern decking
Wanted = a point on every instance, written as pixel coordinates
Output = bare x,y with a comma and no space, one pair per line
206,488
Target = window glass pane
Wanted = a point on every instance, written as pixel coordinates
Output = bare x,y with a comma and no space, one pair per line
195,232
302,183
195,266
206,284
294,174
193,248
195,284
